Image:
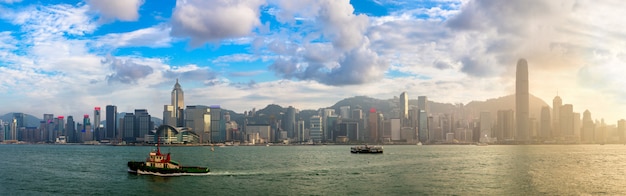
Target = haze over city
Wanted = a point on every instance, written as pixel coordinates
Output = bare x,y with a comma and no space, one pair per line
65,57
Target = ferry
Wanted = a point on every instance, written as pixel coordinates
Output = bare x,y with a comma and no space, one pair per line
366,149
160,164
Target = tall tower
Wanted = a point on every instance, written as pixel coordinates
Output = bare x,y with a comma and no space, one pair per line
96,123
111,120
521,100
404,109
544,131
557,103
179,104
423,130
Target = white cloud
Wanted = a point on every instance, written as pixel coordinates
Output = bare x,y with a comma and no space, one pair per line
124,10
155,37
212,21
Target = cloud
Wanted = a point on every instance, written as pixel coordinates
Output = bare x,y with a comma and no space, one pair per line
336,52
123,10
154,37
212,21
126,71
10,1
191,72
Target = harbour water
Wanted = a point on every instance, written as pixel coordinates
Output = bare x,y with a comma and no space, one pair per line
320,170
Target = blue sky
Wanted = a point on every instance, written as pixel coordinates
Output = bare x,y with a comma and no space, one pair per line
65,57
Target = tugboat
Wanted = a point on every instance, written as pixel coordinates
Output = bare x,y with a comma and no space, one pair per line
161,165
366,149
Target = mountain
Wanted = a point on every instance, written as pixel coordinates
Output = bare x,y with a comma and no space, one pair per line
504,103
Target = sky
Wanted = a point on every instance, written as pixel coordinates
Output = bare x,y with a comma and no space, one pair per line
65,57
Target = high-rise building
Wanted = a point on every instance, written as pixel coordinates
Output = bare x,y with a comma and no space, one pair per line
87,131
587,132
372,125
128,128
70,129
95,127
404,109
521,101
621,130
505,125
198,118
143,124
423,127
169,117
111,123
178,103
315,129
567,121
60,126
49,127
545,131
344,112
218,130
485,127
289,123
20,118
556,112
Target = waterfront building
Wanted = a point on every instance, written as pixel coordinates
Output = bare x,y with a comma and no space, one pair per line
49,127
143,124
404,109
178,103
289,122
522,101
372,125
70,130
128,128
315,129
198,118
485,127
218,131
423,127
556,116
567,122
505,125
301,135
326,123
95,128
86,130
111,123
621,130
545,131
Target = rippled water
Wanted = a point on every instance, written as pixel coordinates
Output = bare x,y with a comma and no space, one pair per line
320,170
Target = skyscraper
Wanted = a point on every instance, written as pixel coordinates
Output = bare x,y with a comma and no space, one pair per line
567,121
545,131
111,121
96,123
485,127
556,117
87,130
422,119
404,109
521,100
70,129
179,104
372,125
290,122
587,132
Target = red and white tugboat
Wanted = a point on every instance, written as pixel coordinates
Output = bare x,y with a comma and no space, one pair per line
161,165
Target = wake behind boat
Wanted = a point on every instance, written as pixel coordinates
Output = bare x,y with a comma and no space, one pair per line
161,165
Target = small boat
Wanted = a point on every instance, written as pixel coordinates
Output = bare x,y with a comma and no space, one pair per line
366,149
161,165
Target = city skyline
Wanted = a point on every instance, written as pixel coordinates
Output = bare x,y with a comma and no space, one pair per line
65,57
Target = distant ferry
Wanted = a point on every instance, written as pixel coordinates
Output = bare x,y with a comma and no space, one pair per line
161,165
366,149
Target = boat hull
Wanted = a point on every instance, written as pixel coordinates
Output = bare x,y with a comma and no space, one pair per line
137,167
